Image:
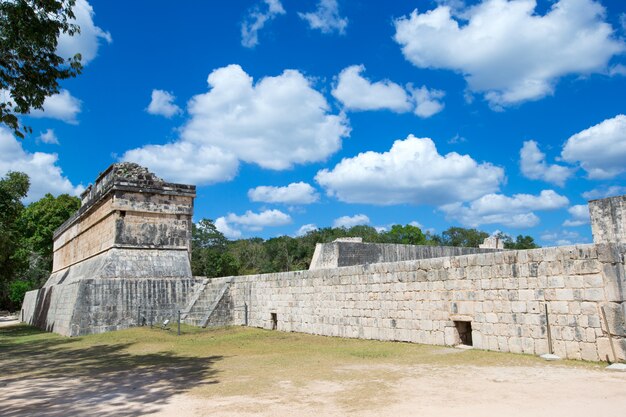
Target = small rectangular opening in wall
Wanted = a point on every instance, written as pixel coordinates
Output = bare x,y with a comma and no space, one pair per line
464,329
274,321
122,213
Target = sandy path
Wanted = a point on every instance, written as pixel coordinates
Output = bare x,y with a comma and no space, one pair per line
425,391
398,391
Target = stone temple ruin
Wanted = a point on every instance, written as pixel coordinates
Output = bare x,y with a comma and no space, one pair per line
128,247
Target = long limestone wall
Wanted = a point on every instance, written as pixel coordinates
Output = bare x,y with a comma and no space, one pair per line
346,253
501,295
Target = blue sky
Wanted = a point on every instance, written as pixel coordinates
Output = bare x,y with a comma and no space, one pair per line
289,115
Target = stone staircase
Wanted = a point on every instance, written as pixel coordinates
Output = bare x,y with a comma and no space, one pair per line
203,305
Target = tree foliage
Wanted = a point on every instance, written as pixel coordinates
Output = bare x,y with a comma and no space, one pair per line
459,236
521,242
26,237
38,222
30,69
13,187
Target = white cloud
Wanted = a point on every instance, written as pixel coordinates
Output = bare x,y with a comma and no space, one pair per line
162,104
600,150
412,172
250,221
563,238
427,101
88,40
62,106
186,162
357,93
580,216
326,17
306,228
505,50
276,123
294,193
222,225
42,168
256,20
350,221
604,192
533,165
516,211
49,137
257,221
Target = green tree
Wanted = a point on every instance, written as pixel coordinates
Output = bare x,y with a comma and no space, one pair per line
459,236
38,222
406,235
209,256
249,255
521,242
30,69
13,188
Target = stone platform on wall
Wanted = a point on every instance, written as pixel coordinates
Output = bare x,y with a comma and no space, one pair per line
122,258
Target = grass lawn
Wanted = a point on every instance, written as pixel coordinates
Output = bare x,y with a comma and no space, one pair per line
155,364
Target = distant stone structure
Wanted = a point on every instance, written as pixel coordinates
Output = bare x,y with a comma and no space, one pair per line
492,242
350,251
128,247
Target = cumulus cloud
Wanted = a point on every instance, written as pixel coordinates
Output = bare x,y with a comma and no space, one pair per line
42,168
603,192
350,221
600,150
563,238
534,166
411,172
229,225
306,228
162,104
88,40
580,216
294,193
256,20
505,50
276,123
326,17
230,232
186,162
62,106
49,137
516,211
427,101
357,93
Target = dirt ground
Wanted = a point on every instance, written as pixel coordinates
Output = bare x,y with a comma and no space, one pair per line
95,376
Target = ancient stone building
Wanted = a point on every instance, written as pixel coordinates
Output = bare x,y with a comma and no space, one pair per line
128,248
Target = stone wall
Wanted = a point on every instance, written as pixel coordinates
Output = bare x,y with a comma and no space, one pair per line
502,295
347,253
608,219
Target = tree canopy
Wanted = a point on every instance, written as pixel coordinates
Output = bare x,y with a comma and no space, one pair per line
26,237
30,69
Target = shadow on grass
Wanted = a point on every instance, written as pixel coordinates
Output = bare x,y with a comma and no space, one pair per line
51,376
